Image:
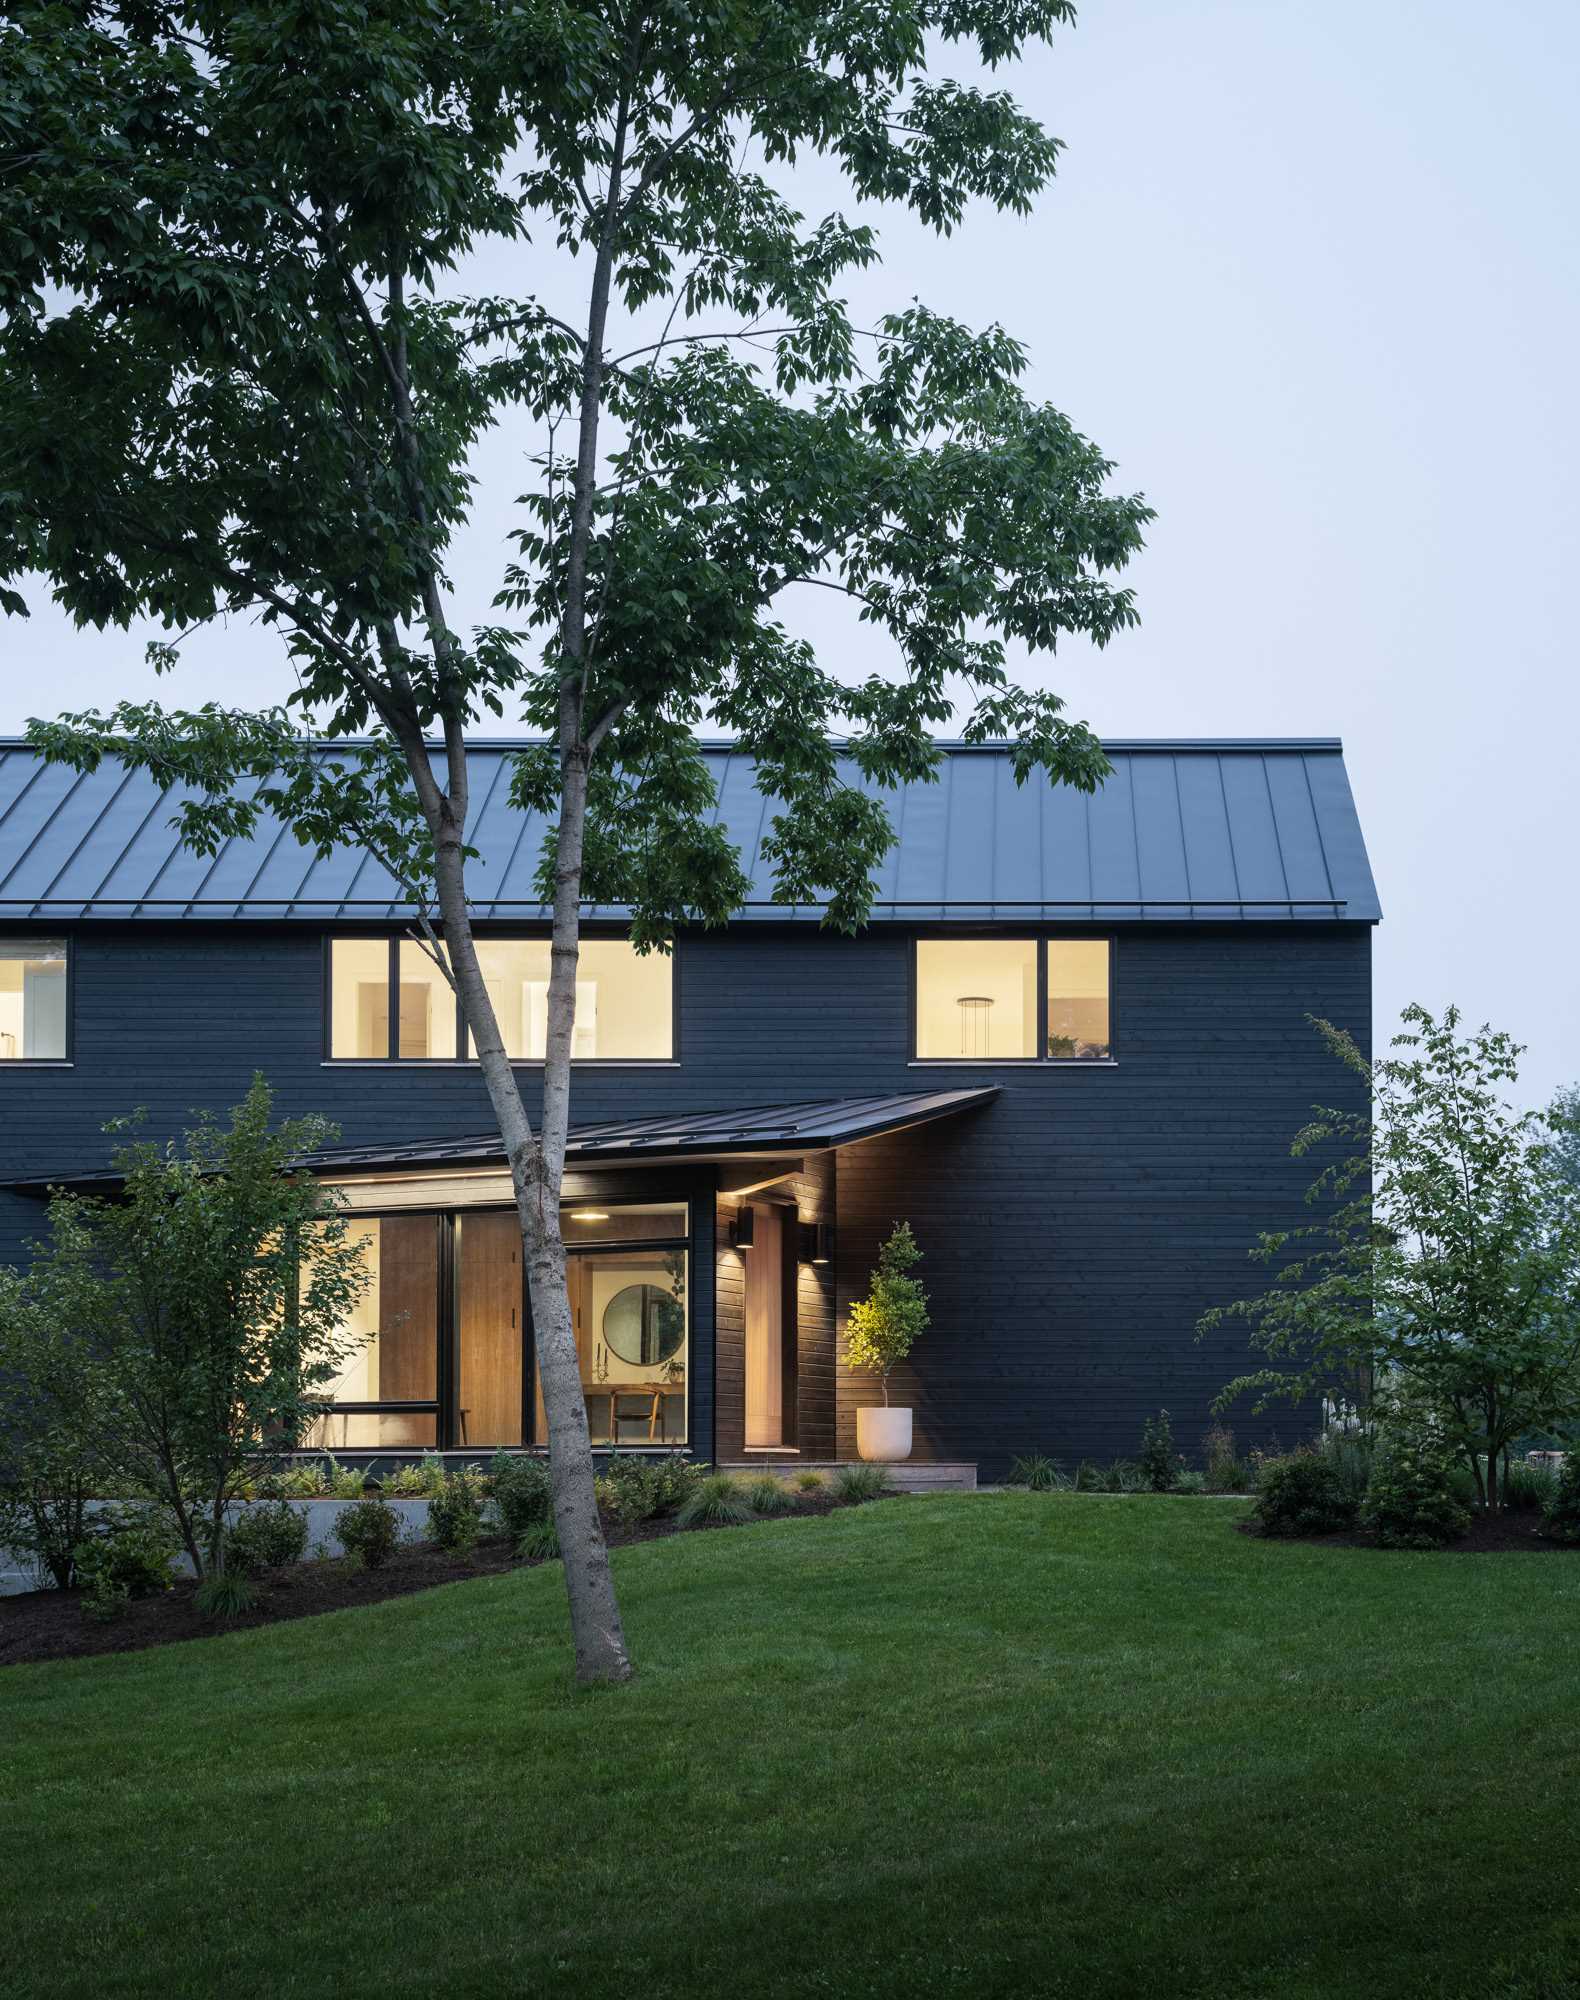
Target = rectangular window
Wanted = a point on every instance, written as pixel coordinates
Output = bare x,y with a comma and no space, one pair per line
1078,999
386,1395
32,999
359,1014
632,1317
426,1016
624,1001
977,999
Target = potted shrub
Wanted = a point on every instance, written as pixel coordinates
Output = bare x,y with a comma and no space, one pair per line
881,1331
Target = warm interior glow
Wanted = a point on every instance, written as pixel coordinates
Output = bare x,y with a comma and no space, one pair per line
976,999
1078,970
589,1215
32,999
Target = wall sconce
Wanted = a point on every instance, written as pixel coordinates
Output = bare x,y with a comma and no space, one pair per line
817,1243
743,1230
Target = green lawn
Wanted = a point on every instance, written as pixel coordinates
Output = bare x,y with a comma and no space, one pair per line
1004,1744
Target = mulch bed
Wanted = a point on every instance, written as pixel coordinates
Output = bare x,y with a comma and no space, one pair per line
49,1624
1502,1534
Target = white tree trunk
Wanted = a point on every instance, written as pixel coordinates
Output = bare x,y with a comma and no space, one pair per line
536,1169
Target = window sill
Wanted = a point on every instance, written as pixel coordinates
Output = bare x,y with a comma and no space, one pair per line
1013,1062
471,1062
35,1062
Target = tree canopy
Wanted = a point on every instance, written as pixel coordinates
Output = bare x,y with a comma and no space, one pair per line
240,371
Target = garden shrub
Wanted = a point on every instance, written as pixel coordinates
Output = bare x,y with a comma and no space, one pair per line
715,1501
1088,1476
538,1543
225,1594
1528,1487
807,1481
766,1495
1159,1461
1036,1471
1350,1453
1411,1503
412,1482
271,1534
520,1492
1226,1471
1124,1476
632,1489
455,1512
1561,1515
368,1531
1301,1494
126,1556
1191,1482
855,1483
344,1482
307,1481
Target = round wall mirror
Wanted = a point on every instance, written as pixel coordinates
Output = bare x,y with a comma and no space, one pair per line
644,1325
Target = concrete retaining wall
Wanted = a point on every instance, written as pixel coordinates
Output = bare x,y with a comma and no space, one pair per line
321,1537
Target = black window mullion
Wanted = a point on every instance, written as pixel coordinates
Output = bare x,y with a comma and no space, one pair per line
446,1361
1041,1049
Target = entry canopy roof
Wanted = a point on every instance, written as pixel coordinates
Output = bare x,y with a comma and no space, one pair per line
766,1131
814,1125
1210,831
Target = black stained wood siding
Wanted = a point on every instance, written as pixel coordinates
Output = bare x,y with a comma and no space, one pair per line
1074,1230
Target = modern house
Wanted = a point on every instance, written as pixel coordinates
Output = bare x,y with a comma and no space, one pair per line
1071,1048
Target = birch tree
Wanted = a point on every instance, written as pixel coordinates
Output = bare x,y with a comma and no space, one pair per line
241,373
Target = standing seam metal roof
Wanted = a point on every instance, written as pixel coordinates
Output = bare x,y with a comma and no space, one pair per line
1184,830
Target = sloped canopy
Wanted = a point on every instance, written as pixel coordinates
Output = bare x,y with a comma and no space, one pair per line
1186,830
813,1125
766,1131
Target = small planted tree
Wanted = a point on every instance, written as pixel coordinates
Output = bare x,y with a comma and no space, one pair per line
205,1312
47,1463
1445,1267
884,1326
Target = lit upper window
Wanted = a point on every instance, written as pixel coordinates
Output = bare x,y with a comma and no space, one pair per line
1078,972
624,1001
977,999
32,999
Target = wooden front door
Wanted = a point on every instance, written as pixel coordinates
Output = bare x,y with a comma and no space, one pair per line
770,1331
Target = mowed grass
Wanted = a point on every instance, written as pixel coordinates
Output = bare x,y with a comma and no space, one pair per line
1014,1743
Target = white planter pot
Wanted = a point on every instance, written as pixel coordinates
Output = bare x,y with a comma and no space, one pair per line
883,1435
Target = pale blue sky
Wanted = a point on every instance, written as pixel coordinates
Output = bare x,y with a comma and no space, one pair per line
1310,275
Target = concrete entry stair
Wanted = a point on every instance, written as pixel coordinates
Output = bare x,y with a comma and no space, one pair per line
907,1476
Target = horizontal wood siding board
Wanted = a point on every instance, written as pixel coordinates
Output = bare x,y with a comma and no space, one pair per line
1074,1230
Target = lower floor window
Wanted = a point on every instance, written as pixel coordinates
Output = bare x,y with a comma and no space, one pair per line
443,1347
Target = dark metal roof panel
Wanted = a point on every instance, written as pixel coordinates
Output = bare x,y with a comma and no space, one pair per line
1187,830
809,1125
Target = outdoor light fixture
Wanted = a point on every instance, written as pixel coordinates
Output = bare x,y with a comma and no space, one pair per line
743,1230
589,1215
817,1243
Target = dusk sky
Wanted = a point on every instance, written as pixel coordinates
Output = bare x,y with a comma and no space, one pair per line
1310,275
